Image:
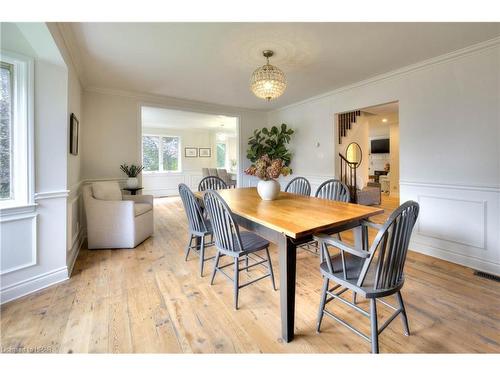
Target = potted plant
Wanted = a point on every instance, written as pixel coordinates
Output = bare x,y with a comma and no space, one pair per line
271,158
268,170
132,172
272,142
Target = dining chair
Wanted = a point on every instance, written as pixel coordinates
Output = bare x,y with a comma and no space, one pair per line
224,176
240,246
211,182
205,172
199,226
372,277
334,190
299,185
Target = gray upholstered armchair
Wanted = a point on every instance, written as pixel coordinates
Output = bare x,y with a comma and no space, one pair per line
114,221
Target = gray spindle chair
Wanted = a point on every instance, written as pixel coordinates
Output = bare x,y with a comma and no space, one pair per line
299,185
230,242
199,227
370,276
211,183
334,190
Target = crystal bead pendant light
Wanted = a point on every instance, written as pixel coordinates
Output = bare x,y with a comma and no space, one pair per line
268,82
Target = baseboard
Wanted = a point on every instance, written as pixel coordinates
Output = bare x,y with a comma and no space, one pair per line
471,262
75,250
34,284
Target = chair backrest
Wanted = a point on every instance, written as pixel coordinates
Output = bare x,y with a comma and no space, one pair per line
299,185
391,246
212,172
334,190
225,229
222,173
205,172
193,211
211,183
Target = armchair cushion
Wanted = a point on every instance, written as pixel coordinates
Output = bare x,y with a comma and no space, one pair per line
141,208
107,190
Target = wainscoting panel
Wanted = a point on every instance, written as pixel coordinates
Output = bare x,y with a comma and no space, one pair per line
18,242
457,223
166,184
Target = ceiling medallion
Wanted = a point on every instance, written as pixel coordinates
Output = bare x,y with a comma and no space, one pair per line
268,82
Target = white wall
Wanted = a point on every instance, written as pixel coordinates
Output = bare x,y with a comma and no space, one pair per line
449,147
34,238
112,129
394,159
75,216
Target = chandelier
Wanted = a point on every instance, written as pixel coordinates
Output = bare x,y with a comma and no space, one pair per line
268,82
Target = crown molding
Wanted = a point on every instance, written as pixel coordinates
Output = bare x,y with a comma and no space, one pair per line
173,102
441,59
69,43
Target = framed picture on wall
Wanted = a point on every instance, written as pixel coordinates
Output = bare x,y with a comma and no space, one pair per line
74,125
190,152
205,152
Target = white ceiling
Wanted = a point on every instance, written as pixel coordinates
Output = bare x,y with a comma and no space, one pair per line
382,109
212,62
153,117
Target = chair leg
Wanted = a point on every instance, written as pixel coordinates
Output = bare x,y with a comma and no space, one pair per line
354,294
270,268
216,264
202,255
246,263
236,282
322,303
404,317
188,248
374,325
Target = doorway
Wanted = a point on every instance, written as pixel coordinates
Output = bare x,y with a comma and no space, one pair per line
375,132
182,146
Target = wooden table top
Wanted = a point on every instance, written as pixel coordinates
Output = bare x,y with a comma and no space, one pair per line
292,214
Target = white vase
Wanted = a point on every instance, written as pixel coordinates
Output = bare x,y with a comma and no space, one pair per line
132,183
268,190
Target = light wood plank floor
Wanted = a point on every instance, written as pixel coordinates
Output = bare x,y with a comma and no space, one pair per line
151,300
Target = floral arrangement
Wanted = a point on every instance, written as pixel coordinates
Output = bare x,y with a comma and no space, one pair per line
266,168
131,171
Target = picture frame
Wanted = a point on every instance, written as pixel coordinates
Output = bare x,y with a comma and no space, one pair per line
205,152
74,128
190,152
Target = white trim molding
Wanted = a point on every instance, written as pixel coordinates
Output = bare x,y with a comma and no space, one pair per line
51,194
33,284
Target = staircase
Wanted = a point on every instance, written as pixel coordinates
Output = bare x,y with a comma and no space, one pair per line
345,121
348,176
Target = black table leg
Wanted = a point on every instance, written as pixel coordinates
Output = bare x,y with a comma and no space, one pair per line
288,262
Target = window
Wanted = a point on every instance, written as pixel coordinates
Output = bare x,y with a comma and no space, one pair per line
16,130
221,155
6,122
161,153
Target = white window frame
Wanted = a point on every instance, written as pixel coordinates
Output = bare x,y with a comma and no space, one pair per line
22,131
160,151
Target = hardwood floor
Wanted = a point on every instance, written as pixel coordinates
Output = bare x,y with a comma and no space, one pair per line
151,300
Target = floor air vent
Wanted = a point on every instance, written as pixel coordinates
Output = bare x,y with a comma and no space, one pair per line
487,275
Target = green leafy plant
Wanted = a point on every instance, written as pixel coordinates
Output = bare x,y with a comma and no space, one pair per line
132,170
272,142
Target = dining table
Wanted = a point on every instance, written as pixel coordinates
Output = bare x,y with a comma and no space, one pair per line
290,221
